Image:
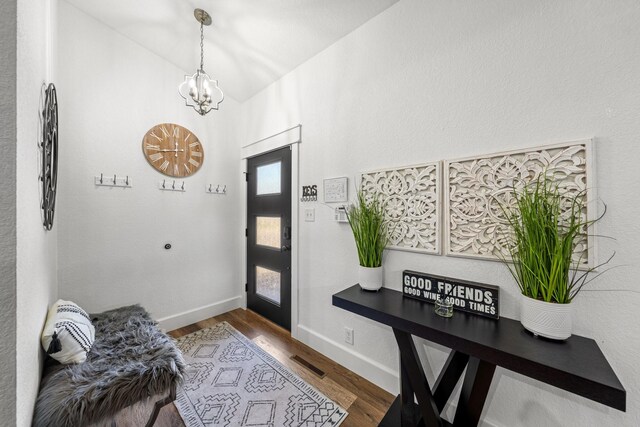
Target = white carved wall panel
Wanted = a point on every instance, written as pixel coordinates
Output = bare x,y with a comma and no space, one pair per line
412,201
475,187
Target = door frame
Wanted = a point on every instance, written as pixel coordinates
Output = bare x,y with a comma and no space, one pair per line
291,137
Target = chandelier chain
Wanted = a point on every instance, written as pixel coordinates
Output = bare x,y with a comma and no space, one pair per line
201,46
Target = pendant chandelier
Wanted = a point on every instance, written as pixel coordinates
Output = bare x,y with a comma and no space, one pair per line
200,91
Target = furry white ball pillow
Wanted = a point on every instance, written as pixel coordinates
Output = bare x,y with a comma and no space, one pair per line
68,333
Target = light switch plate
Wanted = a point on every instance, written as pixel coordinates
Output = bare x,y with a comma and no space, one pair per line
309,215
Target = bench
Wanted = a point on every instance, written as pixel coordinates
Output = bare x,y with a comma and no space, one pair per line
131,364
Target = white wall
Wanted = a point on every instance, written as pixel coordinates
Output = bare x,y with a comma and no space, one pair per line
8,21
432,80
112,240
36,248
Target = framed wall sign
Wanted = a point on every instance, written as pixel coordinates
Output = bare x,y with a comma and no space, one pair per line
336,190
472,297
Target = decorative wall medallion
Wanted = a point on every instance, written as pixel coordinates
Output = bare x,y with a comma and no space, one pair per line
475,187
49,146
412,198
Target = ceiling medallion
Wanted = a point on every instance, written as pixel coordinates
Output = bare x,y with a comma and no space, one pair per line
200,91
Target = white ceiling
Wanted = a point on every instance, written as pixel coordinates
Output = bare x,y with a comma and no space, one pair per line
251,43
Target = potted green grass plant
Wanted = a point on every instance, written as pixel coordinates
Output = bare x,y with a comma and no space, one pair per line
545,228
370,231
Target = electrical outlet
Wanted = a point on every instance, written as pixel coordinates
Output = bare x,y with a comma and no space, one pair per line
310,215
348,335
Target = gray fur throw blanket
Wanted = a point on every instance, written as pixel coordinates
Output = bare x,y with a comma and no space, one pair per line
131,360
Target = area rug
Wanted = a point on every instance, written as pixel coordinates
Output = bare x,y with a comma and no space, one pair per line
230,381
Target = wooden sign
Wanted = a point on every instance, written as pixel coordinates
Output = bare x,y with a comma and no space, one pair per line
472,297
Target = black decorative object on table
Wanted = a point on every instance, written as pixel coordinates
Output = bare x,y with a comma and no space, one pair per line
472,297
49,146
479,344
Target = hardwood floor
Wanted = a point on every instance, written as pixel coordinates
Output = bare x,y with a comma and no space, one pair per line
365,402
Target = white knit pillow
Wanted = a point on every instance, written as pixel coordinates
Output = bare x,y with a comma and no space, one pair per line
68,333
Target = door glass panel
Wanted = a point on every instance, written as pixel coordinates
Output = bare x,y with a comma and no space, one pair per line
268,231
268,179
268,284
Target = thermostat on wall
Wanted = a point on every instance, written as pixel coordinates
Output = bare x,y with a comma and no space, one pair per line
340,214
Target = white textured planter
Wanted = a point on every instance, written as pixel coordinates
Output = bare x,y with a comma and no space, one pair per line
370,278
546,319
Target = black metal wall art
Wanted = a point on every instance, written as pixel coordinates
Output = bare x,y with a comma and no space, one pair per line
472,297
309,193
49,172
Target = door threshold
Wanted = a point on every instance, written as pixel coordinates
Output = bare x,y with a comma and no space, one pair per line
270,322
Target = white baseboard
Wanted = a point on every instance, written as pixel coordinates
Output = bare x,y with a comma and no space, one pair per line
362,365
185,318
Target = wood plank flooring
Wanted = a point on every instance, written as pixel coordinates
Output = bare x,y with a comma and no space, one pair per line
365,402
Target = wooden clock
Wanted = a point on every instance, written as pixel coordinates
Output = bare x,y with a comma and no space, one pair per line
173,150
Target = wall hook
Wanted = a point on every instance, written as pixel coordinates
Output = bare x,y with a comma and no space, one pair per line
164,181
224,190
174,184
183,185
210,185
218,188
112,181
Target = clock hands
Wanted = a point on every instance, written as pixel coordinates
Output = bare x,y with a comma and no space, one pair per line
175,150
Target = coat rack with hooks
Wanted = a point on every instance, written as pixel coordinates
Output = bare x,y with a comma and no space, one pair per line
215,189
113,181
171,185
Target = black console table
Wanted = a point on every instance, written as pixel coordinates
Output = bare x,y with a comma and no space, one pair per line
479,344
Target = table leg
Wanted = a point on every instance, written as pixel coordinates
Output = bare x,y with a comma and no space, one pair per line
417,380
476,385
448,378
406,397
